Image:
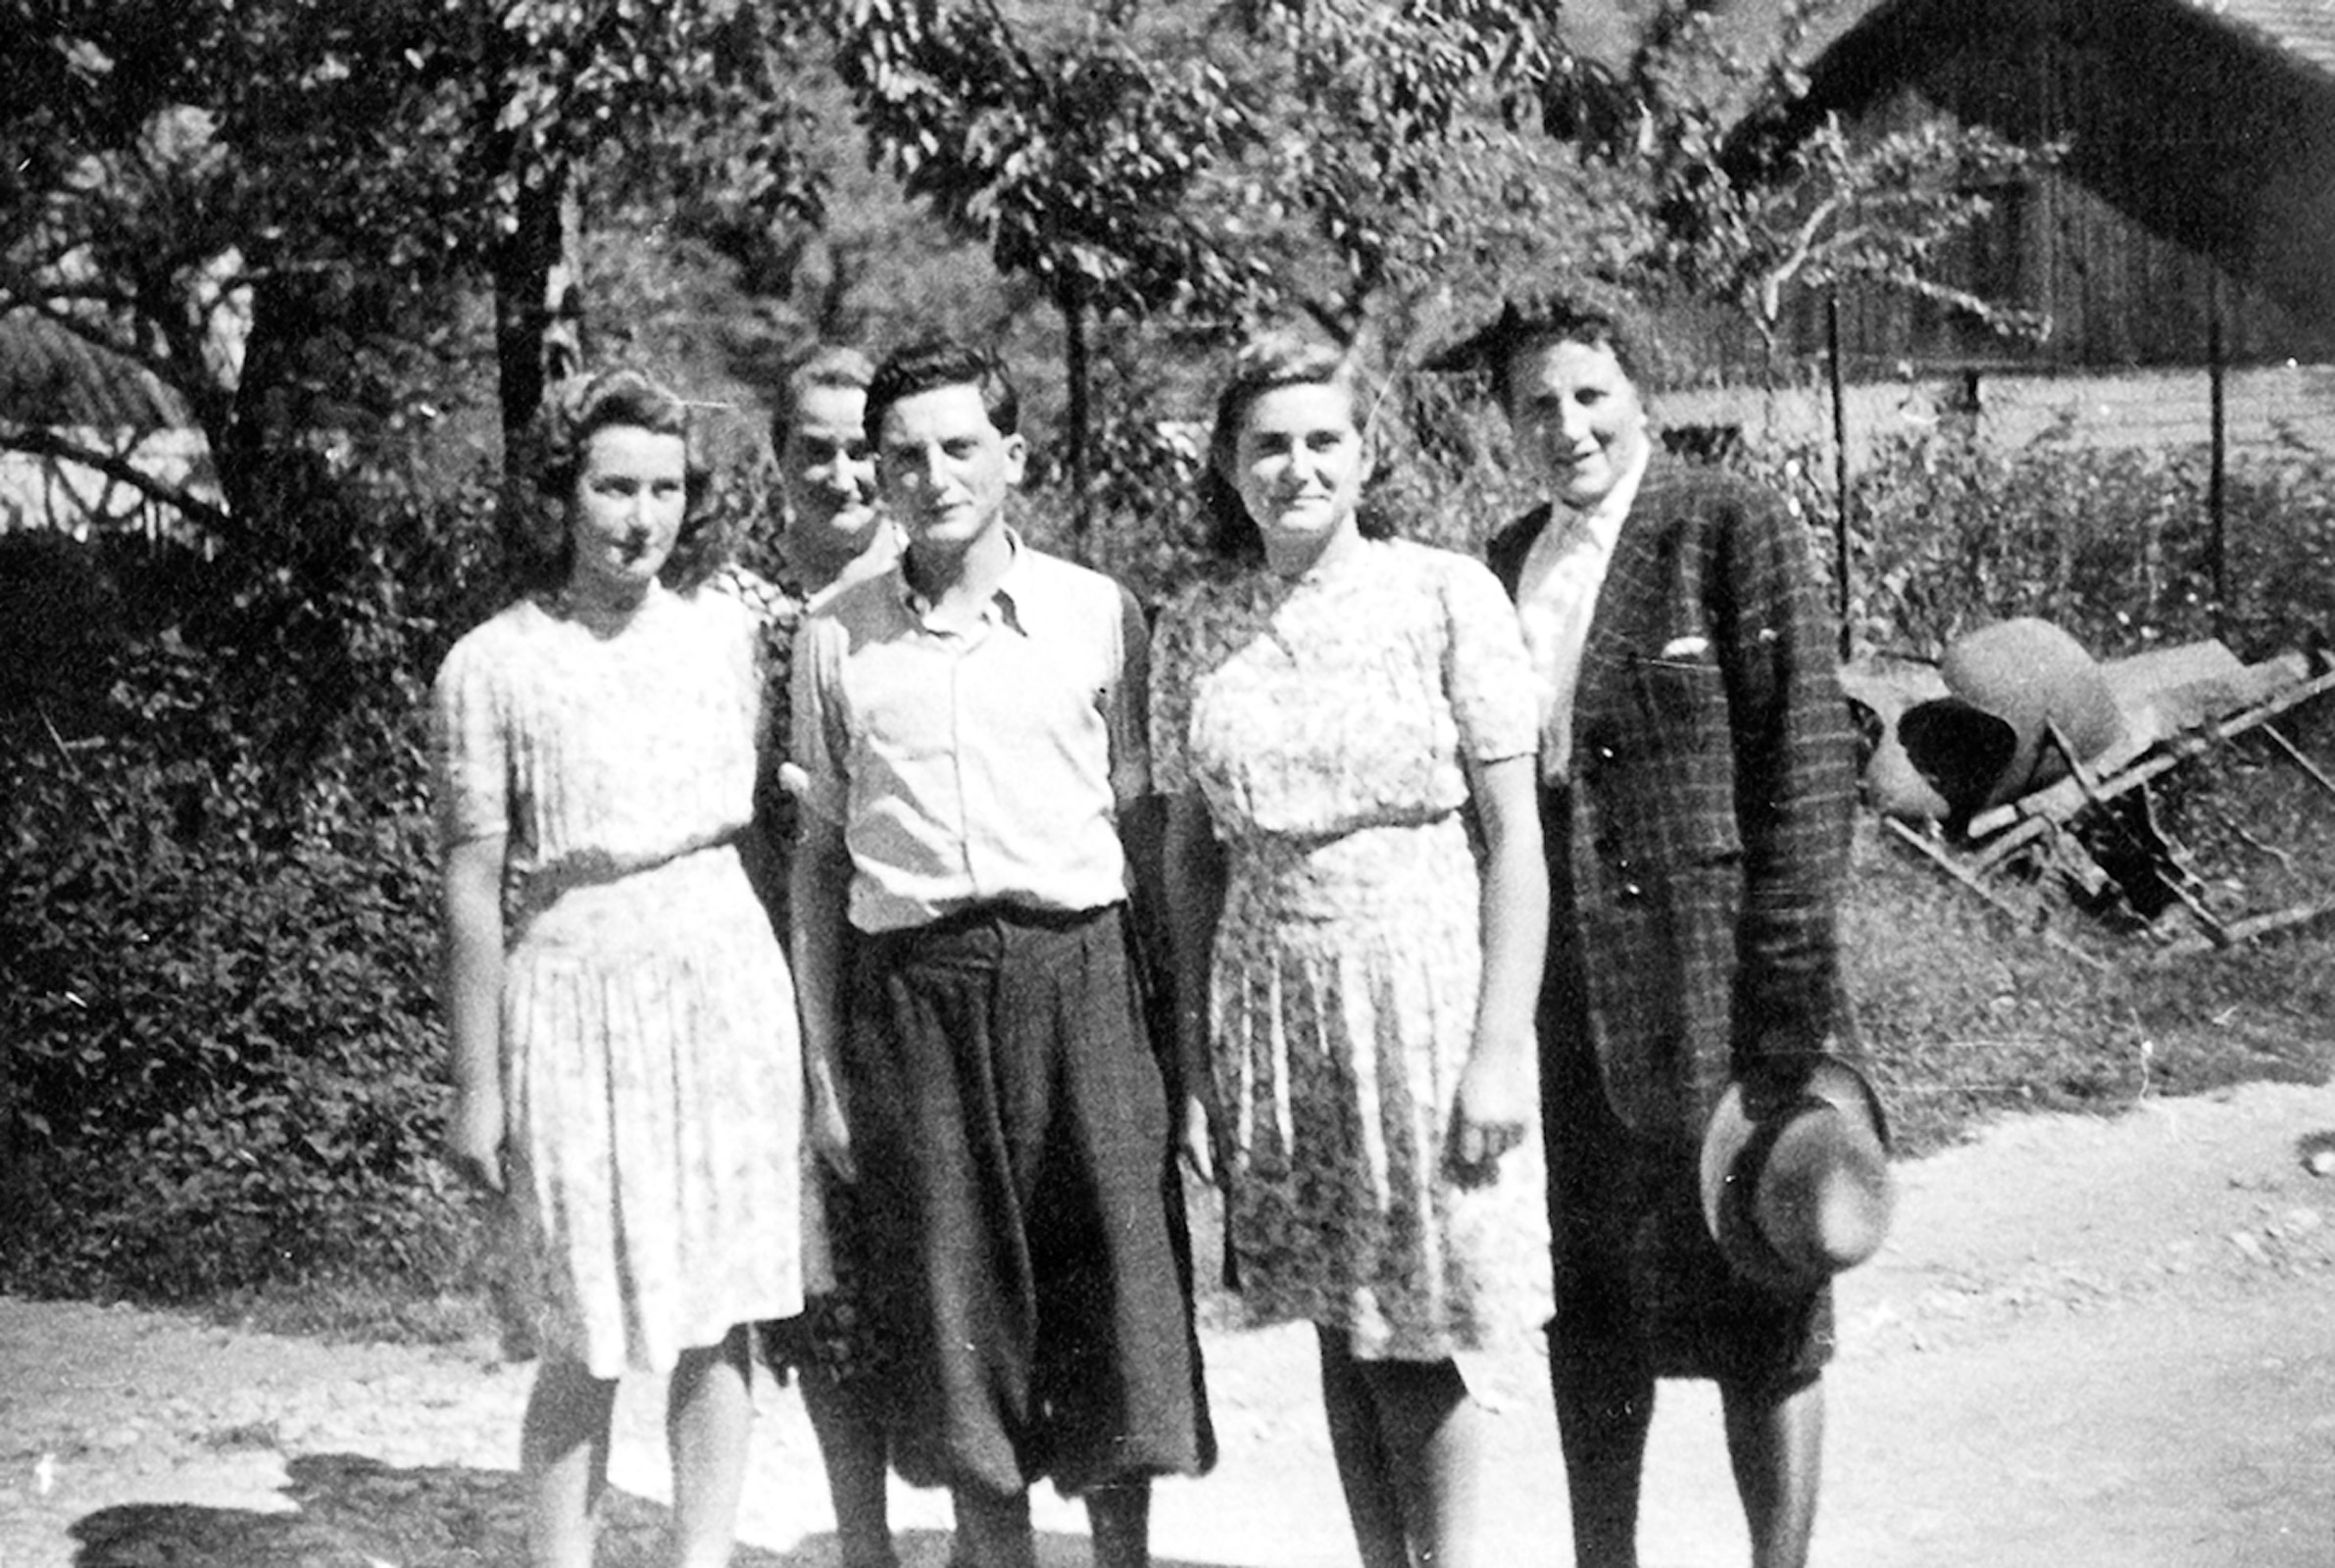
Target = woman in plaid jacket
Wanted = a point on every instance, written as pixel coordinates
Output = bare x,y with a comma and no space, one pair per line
1698,780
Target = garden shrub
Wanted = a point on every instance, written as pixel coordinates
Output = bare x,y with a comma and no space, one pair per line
217,915
218,911
2114,545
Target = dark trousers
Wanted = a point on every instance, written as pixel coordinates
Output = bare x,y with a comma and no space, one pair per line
1020,1213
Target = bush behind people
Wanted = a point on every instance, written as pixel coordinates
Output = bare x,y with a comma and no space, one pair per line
218,919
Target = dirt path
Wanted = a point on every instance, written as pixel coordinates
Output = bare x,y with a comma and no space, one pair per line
2088,1342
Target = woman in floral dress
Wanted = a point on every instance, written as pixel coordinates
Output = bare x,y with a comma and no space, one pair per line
1345,728
627,1063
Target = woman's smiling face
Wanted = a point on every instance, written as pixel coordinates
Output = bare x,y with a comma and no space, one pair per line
1576,417
1299,465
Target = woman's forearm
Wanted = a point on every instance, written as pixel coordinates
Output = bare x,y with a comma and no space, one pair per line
472,976
1514,915
471,908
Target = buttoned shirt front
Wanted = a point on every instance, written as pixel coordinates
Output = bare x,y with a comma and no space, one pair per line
978,761
1555,599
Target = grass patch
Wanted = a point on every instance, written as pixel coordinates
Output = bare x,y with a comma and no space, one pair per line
1967,1015
349,1307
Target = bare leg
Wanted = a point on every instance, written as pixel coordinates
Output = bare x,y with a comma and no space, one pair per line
1604,1408
851,1447
1366,1470
707,1413
1434,1437
1118,1518
993,1531
563,1453
1776,1442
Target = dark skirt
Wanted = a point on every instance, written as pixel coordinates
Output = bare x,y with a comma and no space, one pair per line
1020,1216
1639,1281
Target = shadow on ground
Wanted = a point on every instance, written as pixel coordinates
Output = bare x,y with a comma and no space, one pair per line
349,1511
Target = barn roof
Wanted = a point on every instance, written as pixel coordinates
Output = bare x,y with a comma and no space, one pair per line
2304,30
53,377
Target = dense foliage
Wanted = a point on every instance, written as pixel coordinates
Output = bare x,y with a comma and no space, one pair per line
218,923
347,243
2114,544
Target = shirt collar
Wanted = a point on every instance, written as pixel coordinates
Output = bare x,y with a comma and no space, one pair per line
1008,601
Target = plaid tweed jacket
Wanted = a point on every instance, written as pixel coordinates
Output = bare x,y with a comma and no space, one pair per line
1707,822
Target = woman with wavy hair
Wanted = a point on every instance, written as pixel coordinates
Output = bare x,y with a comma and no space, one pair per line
628,1075
1343,726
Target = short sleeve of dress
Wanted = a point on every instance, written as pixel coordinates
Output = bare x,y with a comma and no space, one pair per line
469,749
1486,673
1172,697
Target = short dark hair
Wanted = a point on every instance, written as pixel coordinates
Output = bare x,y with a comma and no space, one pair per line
1596,315
1264,364
933,363
540,535
831,366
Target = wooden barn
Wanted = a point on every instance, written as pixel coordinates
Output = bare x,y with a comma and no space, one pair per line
2183,252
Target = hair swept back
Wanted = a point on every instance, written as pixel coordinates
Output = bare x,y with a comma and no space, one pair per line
933,363
572,413
1584,311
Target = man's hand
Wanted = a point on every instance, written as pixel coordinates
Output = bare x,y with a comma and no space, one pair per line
830,1129
475,1135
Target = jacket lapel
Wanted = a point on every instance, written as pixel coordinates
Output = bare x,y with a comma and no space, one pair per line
1506,552
1633,584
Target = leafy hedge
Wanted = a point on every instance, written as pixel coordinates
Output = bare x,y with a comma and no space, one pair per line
217,921
217,916
2114,545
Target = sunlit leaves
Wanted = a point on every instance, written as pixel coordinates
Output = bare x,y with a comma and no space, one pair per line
1076,161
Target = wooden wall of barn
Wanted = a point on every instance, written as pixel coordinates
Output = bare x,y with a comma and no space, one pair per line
2200,181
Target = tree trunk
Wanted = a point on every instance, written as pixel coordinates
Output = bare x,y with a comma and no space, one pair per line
1067,296
537,306
260,419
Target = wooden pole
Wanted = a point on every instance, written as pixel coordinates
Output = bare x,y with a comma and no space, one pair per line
1840,466
2218,475
1071,300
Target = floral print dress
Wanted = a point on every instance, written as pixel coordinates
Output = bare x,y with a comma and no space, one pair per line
652,1069
1327,721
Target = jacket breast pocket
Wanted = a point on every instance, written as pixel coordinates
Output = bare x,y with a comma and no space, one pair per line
1681,802
1682,696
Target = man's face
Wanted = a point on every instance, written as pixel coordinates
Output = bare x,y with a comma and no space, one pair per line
828,472
943,469
1575,416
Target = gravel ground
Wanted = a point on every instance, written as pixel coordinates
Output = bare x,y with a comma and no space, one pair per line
2087,1343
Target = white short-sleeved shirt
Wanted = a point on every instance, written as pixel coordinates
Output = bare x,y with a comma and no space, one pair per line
975,764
